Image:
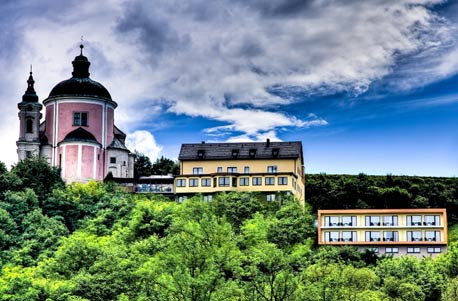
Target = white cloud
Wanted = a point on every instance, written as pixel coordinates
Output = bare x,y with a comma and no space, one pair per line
219,59
144,142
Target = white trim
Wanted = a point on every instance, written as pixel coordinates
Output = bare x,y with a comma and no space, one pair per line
79,165
99,101
55,129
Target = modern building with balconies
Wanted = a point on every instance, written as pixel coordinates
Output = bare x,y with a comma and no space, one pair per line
273,168
417,232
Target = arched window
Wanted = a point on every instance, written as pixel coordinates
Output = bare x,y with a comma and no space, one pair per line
29,125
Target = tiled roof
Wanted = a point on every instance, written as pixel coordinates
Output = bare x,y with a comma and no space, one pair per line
242,150
118,144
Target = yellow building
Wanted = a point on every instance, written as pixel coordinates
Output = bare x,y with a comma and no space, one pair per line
269,167
418,232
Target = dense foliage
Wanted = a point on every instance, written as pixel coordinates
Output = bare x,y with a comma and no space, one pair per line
162,166
344,191
96,242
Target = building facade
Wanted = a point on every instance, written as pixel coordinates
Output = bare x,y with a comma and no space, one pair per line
78,134
417,232
272,168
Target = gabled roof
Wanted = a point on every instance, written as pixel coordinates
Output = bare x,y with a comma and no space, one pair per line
118,144
119,134
243,150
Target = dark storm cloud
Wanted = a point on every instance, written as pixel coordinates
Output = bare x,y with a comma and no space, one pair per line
150,29
279,7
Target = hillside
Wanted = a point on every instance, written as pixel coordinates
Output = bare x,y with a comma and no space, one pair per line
96,242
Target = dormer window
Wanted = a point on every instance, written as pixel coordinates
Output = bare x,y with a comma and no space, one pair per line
200,153
252,152
80,118
235,153
275,152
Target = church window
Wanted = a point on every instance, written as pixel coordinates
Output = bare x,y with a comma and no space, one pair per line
80,118
29,126
113,160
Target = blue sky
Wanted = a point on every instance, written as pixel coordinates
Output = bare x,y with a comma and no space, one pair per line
367,86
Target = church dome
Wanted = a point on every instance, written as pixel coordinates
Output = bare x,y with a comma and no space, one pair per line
80,84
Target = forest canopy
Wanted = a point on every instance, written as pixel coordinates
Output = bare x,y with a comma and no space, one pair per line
96,242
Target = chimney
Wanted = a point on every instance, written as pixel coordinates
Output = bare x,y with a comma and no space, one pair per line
268,142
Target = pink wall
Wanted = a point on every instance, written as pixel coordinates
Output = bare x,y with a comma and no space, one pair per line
49,118
87,164
110,126
66,111
71,161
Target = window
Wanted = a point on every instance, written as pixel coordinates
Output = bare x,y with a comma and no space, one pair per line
390,236
434,250
348,221
200,153
206,182
413,250
113,160
275,152
272,169
193,182
390,220
181,199
349,236
244,181
432,220
28,154
332,236
181,182
372,236
232,170
392,250
414,236
257,181
235,153
331,221
282,180
374,250
270,197
270,181
414,220
223,181
80,118
29,125
372,220
294,183
197,170
219,169
246,169
252,152
432,236
207,198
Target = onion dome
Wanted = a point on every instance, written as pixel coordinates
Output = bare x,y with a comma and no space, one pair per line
80,84
30,95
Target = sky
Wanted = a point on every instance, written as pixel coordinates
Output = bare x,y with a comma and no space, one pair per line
367,86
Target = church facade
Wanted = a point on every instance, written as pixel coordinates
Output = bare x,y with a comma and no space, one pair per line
78,134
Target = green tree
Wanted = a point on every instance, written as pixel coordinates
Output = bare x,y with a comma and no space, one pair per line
164,166
142,165
36,174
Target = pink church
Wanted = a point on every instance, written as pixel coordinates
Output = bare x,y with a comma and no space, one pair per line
78,134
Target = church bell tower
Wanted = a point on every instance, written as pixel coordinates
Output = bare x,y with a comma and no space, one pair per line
28,144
